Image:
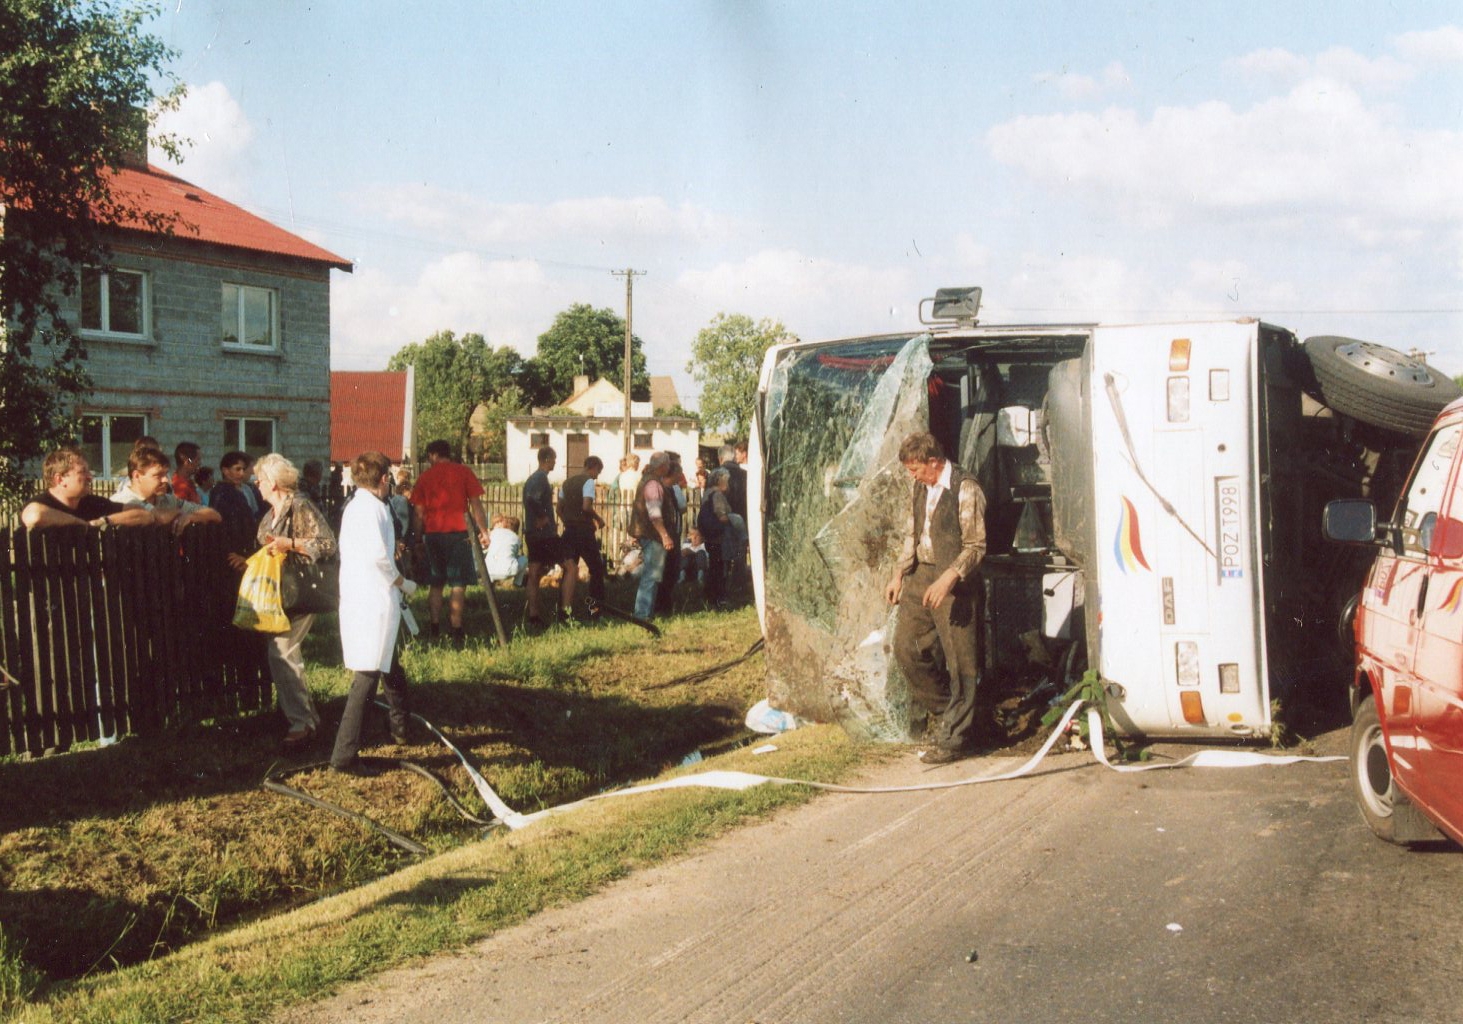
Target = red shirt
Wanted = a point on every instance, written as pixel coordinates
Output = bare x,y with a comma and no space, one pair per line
183,488
442,493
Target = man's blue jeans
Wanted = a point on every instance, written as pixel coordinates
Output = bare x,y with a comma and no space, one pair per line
652,568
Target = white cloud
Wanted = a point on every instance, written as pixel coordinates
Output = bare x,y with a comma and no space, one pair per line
1273,66
374,313
220,134
1075,86
813,297
1435,46
1279,69
1317,149
466,219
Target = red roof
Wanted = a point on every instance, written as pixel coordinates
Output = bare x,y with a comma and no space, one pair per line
367,413
207,218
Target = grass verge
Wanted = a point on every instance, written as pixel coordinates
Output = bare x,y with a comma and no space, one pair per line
158,866
449,900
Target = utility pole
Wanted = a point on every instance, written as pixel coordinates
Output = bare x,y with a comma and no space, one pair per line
629,275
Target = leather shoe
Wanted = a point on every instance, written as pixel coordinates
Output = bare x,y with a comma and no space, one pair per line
941,755
360,769
299,737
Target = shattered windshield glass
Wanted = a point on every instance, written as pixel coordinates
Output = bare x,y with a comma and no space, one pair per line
836,501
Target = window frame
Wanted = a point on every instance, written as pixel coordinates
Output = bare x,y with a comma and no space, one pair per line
242,290
103,467
103,278
238,442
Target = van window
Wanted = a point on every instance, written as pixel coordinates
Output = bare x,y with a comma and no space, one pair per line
1417,513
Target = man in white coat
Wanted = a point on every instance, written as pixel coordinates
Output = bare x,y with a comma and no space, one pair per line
372,593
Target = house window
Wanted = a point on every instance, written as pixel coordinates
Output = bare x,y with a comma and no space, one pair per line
642,441
114,302
538,440
107,439
256,437
249,318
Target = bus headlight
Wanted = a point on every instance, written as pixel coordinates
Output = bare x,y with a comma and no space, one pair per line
1186,655
1178,399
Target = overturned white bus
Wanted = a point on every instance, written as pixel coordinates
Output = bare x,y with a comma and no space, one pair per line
1154,505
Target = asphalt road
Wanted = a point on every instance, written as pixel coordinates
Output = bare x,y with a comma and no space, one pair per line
1197,895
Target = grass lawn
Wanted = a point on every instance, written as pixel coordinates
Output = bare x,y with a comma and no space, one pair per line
154,880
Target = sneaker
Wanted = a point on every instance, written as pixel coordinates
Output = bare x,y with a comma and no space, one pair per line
459,639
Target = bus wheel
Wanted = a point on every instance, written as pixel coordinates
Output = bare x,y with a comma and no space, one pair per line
1371,774
1377,384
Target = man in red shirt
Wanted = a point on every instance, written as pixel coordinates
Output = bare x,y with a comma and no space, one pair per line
442,499
187,457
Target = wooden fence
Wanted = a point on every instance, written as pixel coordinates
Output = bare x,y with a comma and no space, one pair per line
507,499
104,633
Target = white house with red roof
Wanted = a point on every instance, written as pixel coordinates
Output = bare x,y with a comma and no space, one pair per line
218,333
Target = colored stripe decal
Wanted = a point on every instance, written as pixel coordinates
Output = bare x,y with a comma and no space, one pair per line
1128,544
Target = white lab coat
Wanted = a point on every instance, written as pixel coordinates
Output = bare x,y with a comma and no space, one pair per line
370,607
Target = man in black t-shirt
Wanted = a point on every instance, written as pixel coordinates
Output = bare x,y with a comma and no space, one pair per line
68,500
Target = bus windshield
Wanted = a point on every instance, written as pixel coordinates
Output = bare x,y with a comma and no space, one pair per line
835,500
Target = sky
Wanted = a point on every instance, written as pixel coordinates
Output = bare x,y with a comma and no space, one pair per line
486,164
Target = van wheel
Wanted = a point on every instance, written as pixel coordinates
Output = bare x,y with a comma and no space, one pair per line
1377,384
1371,774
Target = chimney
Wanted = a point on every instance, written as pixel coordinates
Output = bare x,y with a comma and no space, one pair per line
581,383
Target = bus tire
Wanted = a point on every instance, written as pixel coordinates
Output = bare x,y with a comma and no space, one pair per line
1378,385
1371,773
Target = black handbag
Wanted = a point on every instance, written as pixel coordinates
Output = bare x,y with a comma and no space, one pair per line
307,587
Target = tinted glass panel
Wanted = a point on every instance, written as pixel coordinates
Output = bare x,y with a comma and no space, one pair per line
258,437
258,321
229,318
91,300
125,293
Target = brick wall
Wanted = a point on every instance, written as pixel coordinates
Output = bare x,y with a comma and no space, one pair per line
183,377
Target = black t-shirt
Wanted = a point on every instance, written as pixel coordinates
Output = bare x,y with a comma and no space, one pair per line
92,506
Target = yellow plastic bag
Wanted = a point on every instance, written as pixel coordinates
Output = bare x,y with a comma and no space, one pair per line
259,607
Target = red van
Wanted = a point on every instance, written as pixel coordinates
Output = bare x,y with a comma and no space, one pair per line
1407,732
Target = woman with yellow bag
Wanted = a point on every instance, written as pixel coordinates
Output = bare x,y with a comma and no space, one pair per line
291,526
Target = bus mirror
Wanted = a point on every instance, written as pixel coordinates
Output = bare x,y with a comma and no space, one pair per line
1351,520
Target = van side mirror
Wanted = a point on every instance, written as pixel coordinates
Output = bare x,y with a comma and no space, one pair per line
1352,520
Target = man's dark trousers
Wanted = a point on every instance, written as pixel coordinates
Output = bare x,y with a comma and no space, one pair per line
936,651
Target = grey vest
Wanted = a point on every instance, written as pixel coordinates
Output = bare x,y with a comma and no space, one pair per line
945,524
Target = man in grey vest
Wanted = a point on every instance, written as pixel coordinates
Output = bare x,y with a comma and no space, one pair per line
934,586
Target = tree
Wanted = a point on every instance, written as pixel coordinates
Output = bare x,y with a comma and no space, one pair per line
490,423
78,96
589,341
454,375
726,358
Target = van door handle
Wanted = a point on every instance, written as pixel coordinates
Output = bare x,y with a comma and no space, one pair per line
1422,597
